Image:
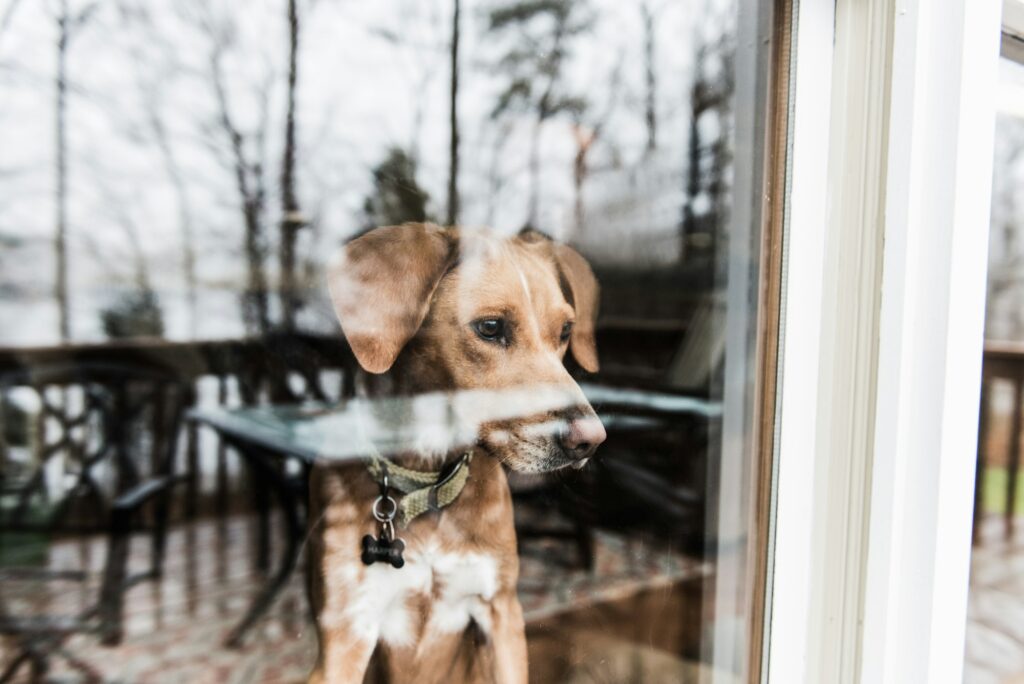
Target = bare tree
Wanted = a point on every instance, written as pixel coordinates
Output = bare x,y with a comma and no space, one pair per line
151,85
585,137
60,241
453,147
535,67
708,160
648,14
68,24
244,159
586,132
292,219
251,186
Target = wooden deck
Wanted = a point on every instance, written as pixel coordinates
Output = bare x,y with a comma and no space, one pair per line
995,613
175,628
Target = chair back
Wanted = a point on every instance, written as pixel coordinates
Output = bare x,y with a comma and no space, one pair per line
73,437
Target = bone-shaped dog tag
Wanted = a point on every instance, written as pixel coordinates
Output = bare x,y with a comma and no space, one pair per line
381,549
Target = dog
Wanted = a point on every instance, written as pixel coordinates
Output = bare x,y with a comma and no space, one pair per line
431,311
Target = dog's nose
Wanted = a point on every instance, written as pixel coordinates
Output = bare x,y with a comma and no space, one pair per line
583,436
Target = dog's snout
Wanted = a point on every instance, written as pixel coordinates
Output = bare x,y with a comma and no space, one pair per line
582,436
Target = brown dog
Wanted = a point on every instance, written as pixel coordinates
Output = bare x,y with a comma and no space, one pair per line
455,314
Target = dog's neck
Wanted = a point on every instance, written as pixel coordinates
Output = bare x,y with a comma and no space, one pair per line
411,375
415,460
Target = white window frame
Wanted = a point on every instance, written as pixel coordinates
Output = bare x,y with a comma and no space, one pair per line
889,189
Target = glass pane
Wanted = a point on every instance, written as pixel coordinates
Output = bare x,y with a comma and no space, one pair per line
240,357
996,599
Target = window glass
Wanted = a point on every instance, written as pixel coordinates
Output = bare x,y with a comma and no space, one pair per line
380,337
993,651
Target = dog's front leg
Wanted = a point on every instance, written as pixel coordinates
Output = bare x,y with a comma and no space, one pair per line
344,658
509,633
348,635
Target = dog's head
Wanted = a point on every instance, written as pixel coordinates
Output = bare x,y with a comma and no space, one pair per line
484,316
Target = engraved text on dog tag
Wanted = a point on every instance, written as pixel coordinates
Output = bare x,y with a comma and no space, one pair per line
384,550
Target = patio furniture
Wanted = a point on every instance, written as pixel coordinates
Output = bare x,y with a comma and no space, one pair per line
280,444
567,495
658,472
95,452
275,368
652,473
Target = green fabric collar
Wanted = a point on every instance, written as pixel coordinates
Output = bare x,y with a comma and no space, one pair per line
424,490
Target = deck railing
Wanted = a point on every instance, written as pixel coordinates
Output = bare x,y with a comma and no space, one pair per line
278,368
1003,363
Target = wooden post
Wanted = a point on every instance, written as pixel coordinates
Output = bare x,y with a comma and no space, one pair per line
979,478
1013,465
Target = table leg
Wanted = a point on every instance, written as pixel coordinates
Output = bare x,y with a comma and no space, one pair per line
261,485
263,463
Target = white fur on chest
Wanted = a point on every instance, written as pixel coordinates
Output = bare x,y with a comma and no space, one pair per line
460,587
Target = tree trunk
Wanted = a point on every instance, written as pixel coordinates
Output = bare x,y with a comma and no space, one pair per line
533,203
579,175
291,216
249,182
580,169
60,242
693,175
651,114
255,306
453,164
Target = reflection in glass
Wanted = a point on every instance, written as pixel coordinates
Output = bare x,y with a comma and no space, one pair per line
176,179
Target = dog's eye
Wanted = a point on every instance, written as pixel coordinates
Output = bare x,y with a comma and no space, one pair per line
490,329
566,332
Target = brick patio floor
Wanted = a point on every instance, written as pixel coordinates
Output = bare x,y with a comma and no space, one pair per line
175,628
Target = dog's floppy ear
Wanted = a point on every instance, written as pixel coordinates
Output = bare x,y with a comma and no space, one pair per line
381,285
583,287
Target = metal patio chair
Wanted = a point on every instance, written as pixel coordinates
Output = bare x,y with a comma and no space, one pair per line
97,458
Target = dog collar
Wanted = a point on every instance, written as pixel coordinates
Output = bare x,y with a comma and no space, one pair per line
424,491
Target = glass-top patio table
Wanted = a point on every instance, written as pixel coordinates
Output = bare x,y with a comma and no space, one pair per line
270,438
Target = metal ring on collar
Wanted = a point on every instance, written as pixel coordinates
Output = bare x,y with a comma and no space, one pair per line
385,517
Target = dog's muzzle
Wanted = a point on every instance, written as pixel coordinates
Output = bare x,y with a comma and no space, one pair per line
582,434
